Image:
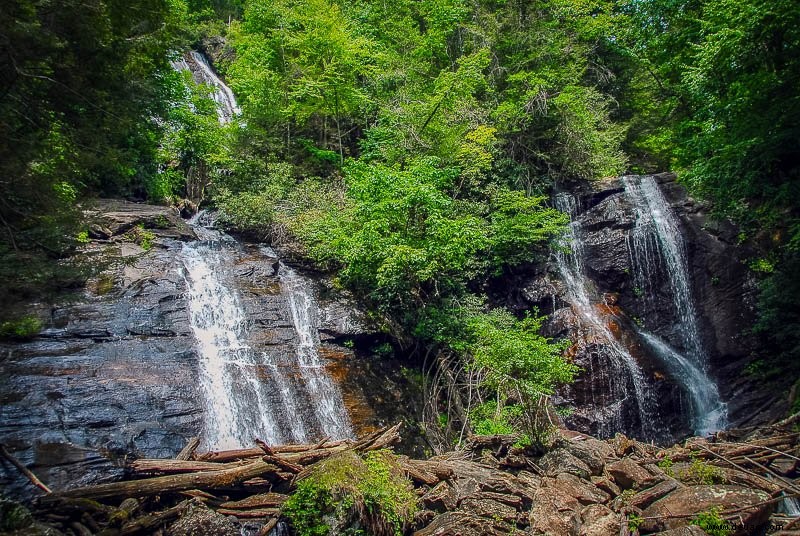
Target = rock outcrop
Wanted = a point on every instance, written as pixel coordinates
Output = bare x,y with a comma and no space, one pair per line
114,371
723,293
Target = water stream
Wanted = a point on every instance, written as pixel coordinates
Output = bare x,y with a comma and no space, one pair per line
658,253
279,396
613,366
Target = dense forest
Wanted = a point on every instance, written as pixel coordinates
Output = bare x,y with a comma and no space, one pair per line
409,147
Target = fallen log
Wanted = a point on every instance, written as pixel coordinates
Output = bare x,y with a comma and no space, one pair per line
250,514
256,501
153,466
164,484
257,452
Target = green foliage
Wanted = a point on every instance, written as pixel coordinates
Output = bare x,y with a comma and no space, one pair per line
666,464
634,521
141,236
701,472
490,418
346,494
712,522
25,327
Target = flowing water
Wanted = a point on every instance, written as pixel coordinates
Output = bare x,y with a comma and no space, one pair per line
612,365
328,406
280,397
658,253
227,107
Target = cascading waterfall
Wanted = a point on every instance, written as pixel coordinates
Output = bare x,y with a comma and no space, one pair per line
248,393
236,407
227,107
657,252
328,406
622,375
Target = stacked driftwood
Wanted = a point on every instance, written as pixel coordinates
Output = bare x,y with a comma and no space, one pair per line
250,484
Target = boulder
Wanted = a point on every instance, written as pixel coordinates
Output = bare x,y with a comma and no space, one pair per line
691,500
599,520
593,452
560,460
630,475
113,217
585,492
463,524
606,484
648,496
440,498
554,514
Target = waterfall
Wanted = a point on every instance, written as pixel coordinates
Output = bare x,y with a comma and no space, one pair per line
227,107
327,402
657,252
235,402
621,374
247,393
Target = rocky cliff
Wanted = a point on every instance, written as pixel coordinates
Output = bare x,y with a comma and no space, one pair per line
723,294
114,372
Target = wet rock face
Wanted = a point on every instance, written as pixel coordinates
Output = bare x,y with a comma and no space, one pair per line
723,295
111,373
114,373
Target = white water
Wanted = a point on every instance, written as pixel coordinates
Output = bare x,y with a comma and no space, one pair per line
235,402
657,251
618,367
247,393
328,404
227,107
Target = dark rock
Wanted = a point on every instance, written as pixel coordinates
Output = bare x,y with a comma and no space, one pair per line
13,516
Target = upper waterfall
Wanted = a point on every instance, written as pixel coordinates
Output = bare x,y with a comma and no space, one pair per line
227,107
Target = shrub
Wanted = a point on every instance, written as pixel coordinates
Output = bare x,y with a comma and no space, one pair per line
25,327
712,522
349,495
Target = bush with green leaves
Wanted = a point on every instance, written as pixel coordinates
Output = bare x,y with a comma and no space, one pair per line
347,494
713,523
24,327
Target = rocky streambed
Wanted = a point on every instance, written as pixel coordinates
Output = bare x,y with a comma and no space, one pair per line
740,484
